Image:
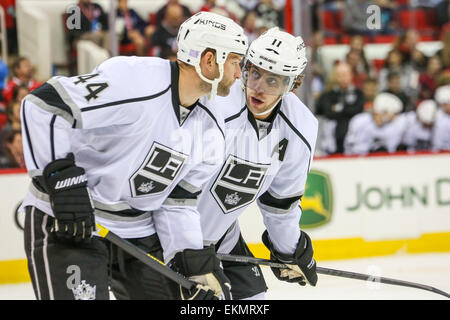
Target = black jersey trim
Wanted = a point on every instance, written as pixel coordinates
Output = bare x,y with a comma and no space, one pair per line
115,103
50,96
271,119
279,203
295,130
52,137
212,117
28,134
235,116
181,193
174,74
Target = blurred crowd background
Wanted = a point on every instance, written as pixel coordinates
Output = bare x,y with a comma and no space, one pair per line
398,103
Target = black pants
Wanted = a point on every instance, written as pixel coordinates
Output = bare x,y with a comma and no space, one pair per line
246,279
66,272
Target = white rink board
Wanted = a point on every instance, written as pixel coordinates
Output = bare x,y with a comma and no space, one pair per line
405,196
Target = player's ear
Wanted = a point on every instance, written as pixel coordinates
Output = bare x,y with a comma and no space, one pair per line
208,63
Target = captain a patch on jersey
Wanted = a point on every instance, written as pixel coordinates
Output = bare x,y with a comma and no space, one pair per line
238,183
160,168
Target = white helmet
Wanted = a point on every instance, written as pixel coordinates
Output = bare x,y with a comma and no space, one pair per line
442,94
426,111
210,30
387,102
279,53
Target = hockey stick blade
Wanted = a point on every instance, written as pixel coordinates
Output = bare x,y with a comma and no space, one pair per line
154,263
334,272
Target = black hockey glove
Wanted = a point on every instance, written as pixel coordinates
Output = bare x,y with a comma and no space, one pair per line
70,199
203,267
302,266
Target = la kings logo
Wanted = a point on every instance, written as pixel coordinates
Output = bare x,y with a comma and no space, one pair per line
238,183
159,169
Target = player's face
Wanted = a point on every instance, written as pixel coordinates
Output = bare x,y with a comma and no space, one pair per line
446,107
231,72
263,89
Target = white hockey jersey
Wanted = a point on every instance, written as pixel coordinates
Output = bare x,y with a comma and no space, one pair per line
266,162
145,160
415,137
364,136
441,131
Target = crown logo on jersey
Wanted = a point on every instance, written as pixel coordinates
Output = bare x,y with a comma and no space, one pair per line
232,199
146,187
84,291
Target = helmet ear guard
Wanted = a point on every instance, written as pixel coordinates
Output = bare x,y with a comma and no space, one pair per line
207,30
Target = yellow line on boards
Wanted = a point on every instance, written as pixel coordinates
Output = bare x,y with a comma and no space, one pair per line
335,249
15,271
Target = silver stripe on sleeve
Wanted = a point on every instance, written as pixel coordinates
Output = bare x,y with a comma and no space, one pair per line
180,202
189,187
68,100
54,110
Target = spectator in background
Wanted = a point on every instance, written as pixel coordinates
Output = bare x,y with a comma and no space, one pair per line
3,77
12,156
132,28
357,44
250,23
211,6
444,52
388,21
271,13
247,5
355,17
22,74
444,78
338,105
377,131
13,117
9,7
428,79
316,62
419,127
441,132
394,63
354,60
164,38
443,13
20,92
406,44
394,86
370,91
160,14
93,26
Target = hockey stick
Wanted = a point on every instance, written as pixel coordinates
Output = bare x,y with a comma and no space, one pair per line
144,257
334,272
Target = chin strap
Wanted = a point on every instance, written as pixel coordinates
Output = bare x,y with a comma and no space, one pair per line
214,83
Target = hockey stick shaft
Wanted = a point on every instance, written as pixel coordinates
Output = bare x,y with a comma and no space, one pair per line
154,263
334,272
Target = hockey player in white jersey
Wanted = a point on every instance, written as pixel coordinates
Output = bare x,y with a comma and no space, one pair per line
121,146
270,138
418,126
441,131
379,130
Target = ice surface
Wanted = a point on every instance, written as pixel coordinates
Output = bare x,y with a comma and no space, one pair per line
431,269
